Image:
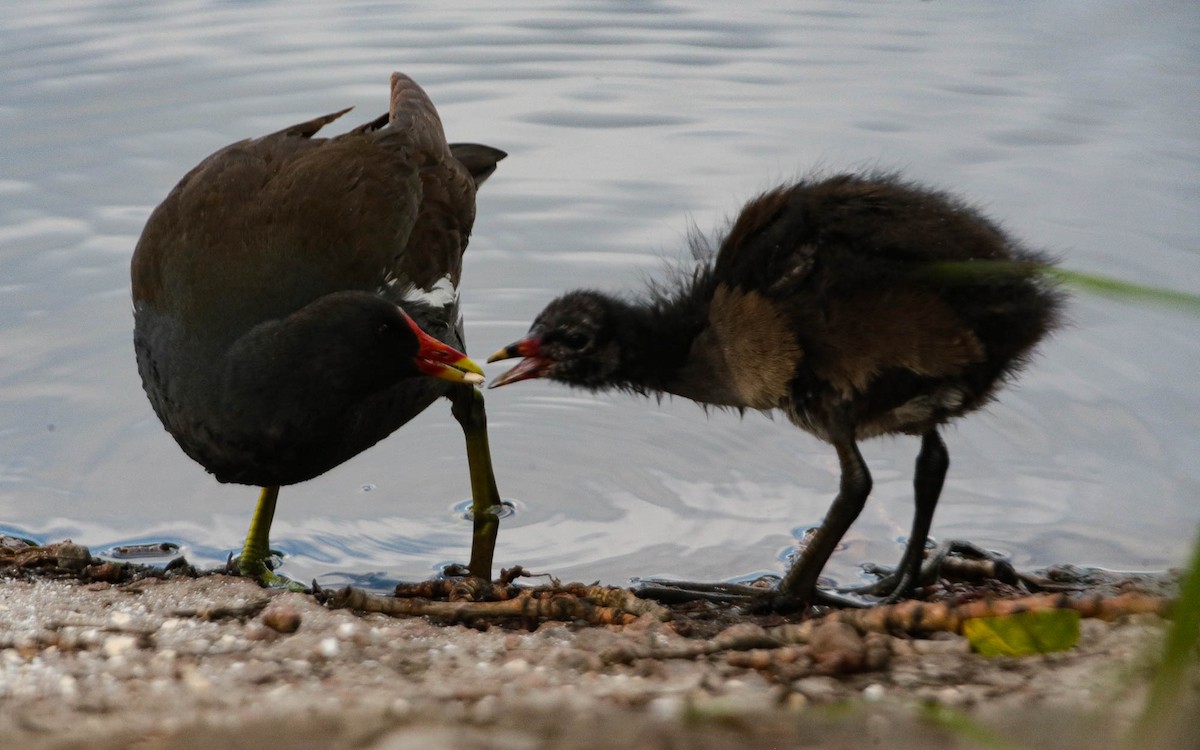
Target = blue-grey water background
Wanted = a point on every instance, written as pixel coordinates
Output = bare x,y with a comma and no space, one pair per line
1075,124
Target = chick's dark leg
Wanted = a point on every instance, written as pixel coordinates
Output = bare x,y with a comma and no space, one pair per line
800,583
798,588
467,407
932,463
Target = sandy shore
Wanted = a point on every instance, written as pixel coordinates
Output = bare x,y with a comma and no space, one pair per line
209,662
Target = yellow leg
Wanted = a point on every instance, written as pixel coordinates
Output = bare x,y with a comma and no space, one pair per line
485,498
257,549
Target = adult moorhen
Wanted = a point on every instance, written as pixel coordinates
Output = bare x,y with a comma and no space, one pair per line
295,302
856,305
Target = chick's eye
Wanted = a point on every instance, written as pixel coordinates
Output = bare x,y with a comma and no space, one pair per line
574,340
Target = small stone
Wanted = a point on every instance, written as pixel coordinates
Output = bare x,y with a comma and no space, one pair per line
281,619
874,692
818,689
195,681
298,666
89,638
328,647
952,697
486,710
347,631
106,573
837,648
119,645
68,686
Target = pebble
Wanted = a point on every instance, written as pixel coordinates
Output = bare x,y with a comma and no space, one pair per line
195,681
281,619
486,710
874,692
818,688
119,645
68,686
170,624
298,666
329,647
952,697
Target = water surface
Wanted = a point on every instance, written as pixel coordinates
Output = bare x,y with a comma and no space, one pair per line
626,125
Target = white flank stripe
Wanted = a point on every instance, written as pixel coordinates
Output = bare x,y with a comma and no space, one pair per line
441,294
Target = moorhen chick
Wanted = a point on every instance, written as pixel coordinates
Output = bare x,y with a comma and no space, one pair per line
856,305
295,302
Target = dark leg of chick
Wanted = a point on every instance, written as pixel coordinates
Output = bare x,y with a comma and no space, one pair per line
467,407
798,588
932,463
800,582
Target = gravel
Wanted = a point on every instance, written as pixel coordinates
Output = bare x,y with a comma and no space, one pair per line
215,661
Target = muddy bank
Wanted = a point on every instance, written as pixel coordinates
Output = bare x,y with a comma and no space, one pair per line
213,661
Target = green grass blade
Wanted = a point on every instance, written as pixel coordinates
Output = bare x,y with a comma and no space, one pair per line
981,271
1125,290
1179,655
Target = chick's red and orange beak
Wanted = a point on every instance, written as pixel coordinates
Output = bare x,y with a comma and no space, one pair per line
532,366
438,360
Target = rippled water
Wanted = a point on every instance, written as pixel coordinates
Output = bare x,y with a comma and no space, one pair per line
626,123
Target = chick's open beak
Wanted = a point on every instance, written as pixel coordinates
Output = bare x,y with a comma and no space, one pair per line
439,360
532,366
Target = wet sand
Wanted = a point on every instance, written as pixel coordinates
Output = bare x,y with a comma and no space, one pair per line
215,661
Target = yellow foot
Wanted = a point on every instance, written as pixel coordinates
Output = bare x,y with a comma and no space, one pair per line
261,572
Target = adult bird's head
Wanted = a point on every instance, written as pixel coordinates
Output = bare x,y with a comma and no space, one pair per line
573,340
430,356
347,344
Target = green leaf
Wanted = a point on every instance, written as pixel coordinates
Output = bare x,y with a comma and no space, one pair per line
1024,633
